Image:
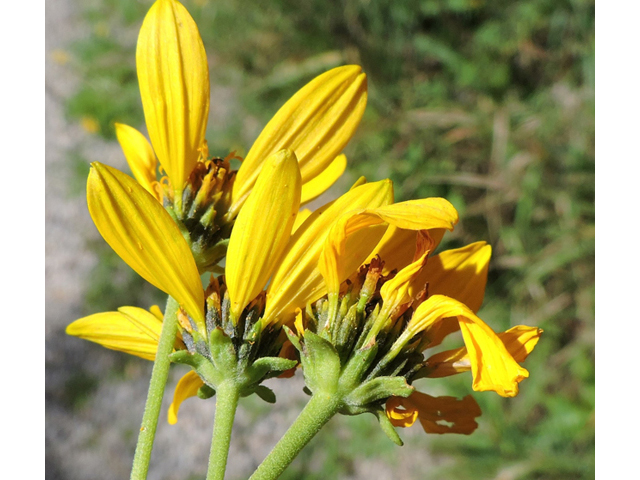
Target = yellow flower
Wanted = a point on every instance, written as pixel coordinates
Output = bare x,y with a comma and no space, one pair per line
316,123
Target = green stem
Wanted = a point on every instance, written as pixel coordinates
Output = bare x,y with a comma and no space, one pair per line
313,417
227,395
156,392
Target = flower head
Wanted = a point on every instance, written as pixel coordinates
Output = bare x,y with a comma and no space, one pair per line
202,193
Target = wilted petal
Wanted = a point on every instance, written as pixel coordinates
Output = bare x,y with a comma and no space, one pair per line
174,86
316,124
297,279
140,157
131,330
436,414
400,413
262,229
143,234
187,386
492,366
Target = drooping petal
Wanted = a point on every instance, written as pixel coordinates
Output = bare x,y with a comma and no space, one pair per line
436,414
519,341
336,260
297,279
262,229
321,183
174,86
316,123
492,366
460,273
131,330
140,157
143,234
187,386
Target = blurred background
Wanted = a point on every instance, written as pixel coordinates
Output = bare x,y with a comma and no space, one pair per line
489,104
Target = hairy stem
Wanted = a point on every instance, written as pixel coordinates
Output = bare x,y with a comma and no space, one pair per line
313,417
227,396
156,392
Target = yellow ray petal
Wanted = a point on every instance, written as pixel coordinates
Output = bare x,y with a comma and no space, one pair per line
405,286
441,414
262,229
492,366
174,86
135,332
187,386
143,234
519,341
397,247
460,273
300,219
321,183
316,123
297,279
140,157
155,309
421,214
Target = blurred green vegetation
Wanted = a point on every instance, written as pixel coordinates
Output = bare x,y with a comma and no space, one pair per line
489,104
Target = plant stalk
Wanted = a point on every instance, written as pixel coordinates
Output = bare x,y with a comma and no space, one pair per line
227,396
157,384
313,417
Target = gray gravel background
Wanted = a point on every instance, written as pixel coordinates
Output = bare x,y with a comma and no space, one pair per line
95,438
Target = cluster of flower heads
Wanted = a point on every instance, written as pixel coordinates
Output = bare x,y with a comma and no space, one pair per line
352,291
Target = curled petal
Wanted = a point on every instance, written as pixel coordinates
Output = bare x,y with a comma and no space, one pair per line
316,123
297,279
131,330
400,413
492,366
140,157
174,86
143,234
262,229
187,386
